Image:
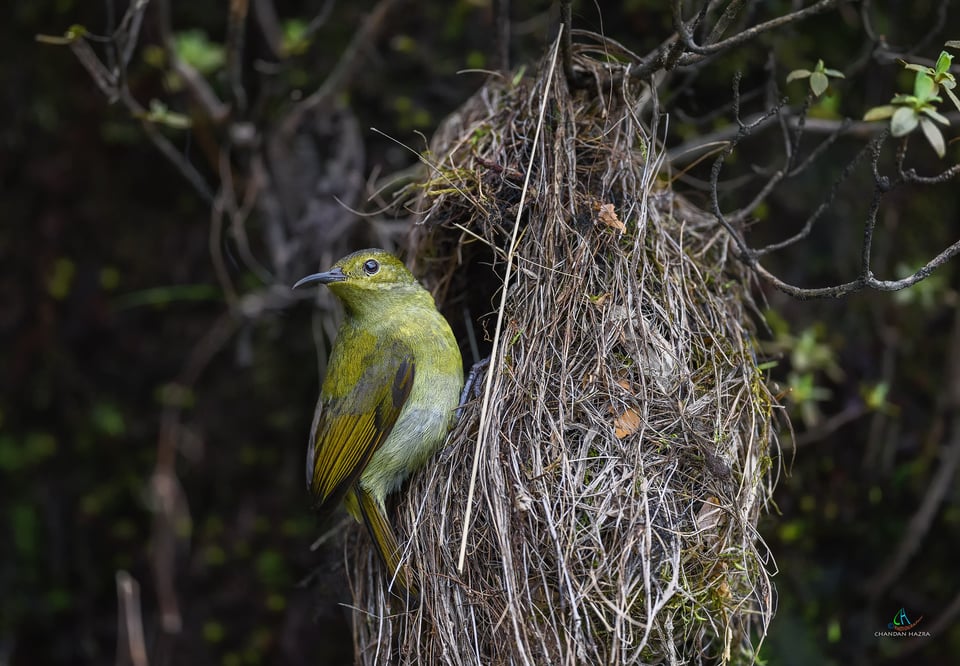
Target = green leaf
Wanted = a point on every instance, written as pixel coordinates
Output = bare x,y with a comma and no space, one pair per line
213,631
11,459
819,83
159,114
943,62
904,121
59,284
834,73
295,39
934,137
798,74
195,49
953,44
952,96
879,112
108,419
73,33
909,100
928,293
924,87
876,396
25,526
932,113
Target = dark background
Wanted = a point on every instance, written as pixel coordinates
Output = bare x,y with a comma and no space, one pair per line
108,295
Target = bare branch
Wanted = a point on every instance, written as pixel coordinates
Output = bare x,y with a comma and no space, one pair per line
236,30
696,52
114,91
733,221
131,646
680,49
687,152
566,46
824,205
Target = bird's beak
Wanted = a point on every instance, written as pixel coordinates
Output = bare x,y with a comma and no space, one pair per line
333,275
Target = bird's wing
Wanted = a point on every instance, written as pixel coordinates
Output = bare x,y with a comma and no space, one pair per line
351,426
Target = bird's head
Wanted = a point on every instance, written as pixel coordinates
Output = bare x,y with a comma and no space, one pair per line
368,278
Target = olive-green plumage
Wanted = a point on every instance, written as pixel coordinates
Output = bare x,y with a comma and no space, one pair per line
389,397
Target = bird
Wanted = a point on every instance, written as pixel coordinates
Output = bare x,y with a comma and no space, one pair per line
388,399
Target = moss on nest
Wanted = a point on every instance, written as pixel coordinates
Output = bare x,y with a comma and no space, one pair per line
628,443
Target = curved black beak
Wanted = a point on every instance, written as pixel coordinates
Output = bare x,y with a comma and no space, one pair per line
333,275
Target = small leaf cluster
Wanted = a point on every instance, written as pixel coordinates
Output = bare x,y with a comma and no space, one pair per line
907,112
819,77
812,363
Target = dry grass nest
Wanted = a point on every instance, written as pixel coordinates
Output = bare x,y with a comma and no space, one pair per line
627,439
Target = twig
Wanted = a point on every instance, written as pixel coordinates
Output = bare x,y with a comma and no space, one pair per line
680,50
128,32
828,427
131,647
566,45
696,52
882,185
236,30
114,89
689,150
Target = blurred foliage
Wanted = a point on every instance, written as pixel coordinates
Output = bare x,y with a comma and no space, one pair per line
107,288
196,49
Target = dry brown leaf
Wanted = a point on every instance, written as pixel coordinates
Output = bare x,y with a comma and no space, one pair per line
626,424
601,299
608,216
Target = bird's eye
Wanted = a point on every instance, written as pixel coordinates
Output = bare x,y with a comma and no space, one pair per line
371,267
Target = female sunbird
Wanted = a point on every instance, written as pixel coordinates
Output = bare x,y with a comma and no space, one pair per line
388,400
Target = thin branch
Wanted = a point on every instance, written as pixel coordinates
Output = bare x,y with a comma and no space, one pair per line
690,150
720,27
825,204
566,45
733,221
131,646
128,33
825,429
911,176
266,18
575,79
679,50
236,31
695,52
173,155
109,86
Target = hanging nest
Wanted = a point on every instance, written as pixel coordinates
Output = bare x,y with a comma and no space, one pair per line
628,434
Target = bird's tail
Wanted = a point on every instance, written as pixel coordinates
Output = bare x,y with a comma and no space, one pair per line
403,583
